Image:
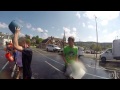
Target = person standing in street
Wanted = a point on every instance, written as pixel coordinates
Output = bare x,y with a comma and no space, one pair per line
26,54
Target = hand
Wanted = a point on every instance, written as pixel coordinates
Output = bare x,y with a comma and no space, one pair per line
17,30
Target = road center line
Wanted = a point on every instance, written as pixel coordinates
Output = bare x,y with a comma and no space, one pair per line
54,67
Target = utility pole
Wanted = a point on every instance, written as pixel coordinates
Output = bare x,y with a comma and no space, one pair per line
96,38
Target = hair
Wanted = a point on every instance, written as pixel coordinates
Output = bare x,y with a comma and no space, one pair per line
28,42
72,38
23,40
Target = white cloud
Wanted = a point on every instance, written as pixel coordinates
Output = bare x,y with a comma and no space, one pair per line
83,24
104,22
3,25
78,15
109,37
28,25
103,16
33,29
90,37
91,26
69,32
46,31
104,31
39,30
21,35
74,29
45,35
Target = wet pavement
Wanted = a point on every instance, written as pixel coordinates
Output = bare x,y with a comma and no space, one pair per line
49,65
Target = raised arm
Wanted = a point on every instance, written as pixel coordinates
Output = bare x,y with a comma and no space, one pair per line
16,45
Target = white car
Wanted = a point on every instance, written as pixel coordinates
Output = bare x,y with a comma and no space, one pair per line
52,47
80,51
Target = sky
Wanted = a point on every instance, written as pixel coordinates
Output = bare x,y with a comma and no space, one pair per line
80,24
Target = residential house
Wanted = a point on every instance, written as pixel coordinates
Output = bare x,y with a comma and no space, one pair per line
4,38
52,40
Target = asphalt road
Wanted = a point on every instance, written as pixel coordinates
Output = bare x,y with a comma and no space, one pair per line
49,65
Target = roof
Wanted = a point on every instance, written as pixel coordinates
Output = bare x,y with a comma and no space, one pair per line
45,40
49,38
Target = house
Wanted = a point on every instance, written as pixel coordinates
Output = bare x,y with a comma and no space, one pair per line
4,38
52,40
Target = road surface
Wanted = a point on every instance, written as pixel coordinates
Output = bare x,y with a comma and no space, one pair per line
49,65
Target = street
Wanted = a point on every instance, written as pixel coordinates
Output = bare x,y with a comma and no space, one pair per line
49,65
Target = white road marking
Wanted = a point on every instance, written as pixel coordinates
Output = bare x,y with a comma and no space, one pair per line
54,67
115,74
13,72
4,66
95,67
97,76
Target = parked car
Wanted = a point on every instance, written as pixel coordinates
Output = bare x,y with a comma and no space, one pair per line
80,51
87,51
52,47
112,53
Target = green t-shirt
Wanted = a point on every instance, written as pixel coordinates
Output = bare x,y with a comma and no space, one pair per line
70,53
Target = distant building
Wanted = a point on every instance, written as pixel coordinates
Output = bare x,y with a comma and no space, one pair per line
4,38
64,39
51,40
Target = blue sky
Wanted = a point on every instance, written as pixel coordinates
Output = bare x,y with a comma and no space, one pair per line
80,24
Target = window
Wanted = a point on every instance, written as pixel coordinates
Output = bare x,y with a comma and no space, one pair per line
109,50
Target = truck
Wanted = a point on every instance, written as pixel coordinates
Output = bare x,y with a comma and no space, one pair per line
112,53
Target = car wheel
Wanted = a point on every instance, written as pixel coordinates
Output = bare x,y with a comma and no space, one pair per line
103,59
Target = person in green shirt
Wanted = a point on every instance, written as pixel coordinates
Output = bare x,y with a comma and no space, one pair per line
70,52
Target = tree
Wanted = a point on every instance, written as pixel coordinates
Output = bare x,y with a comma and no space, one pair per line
28,40
93,46
38,40
27,36
99,48
37,37
108,46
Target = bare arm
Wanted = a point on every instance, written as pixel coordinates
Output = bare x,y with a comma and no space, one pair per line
16,40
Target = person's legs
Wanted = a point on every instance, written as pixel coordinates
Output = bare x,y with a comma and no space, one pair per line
21,70
18,75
